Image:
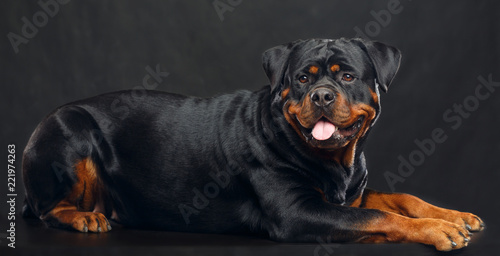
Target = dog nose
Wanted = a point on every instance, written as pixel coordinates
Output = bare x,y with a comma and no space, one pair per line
322,97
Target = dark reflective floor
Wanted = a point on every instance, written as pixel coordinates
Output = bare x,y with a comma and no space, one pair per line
33,238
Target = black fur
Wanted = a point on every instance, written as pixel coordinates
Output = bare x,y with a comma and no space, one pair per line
228,164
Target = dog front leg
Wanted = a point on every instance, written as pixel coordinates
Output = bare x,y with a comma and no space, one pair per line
304,219
414,207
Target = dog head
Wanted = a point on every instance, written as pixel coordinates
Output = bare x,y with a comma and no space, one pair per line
328,90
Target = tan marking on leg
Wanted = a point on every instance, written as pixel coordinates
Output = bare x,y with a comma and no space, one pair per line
443,235
414,207
76,209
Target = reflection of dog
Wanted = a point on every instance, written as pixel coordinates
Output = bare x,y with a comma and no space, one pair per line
285,161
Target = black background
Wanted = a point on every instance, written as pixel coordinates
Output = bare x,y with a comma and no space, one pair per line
92,47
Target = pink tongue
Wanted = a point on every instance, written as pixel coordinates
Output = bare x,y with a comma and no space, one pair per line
323,130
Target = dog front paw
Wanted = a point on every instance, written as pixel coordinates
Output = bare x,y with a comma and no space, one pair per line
467,220
443,235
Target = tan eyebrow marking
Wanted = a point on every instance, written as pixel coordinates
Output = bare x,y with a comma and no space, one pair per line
313,70
335,68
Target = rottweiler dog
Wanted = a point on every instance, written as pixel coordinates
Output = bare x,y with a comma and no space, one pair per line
284,162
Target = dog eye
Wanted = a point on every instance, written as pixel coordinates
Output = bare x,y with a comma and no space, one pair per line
303,79
347,77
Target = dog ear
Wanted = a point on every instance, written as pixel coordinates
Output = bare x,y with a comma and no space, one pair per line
386,60
275,63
